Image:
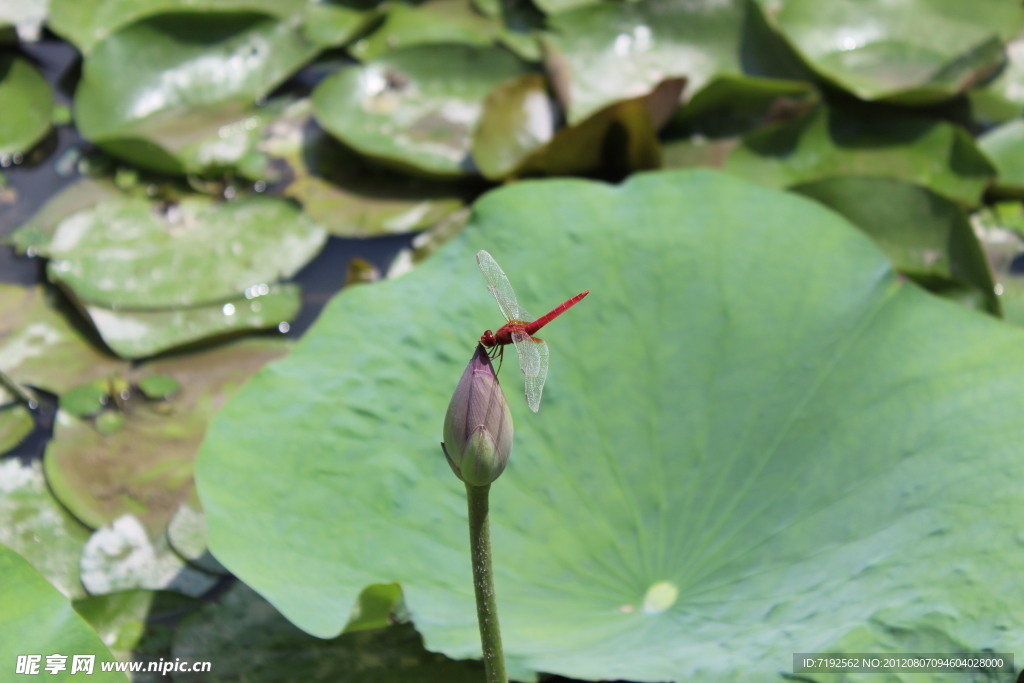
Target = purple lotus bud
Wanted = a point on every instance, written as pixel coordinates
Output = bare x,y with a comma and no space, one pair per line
478,426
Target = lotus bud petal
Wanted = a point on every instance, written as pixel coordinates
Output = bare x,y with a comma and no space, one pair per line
478,425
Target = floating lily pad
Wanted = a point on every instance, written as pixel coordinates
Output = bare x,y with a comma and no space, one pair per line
833,142
1001,232
133,252
251,639
1005,147
912,52
761,415
516,134
82,194
26,103
158,386
122,557
16,422
606,52
927,237
1002,99
416,108
38,620
186,533
143,333
145,466
86,399
333,23
87,22
433,22
345,194
38,528
40,347
191,78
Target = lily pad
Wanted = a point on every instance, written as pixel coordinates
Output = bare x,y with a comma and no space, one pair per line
145,467
432,22
1002,98
517,135
86,22
38,528
415,109
27,105
834,142
927,237
40,347
344,193
186,532
1001,232
142,333
123,557
16,422
913,52
334,23
193,77
750,407
1005,146
38,621
132,252
250,639
602,53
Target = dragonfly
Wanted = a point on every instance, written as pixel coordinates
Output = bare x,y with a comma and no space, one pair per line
519,328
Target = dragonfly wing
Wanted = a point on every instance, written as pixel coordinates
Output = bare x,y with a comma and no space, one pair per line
500,287
533,361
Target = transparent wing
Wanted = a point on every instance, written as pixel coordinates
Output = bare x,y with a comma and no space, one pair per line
534,357
501,288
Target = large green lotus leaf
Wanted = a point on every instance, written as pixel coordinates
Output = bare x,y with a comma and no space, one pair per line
754,438
607,52
27,105
38,528
252,642
87,22
346,195
142,333
912,52
145,467
832,142
42,347
1005,147
927,237
38,620
415,108
155,91
131,252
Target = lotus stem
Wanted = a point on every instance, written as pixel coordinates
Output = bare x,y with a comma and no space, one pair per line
483,583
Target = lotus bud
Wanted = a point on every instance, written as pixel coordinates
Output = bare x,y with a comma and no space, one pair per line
478,426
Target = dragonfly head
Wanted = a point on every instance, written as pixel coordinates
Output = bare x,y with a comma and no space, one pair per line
487,339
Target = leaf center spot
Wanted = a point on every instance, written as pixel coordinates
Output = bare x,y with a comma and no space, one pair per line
660,596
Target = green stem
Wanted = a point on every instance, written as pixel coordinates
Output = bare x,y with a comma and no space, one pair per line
19,391
483,582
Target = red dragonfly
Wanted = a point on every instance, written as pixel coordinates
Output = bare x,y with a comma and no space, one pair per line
520,328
